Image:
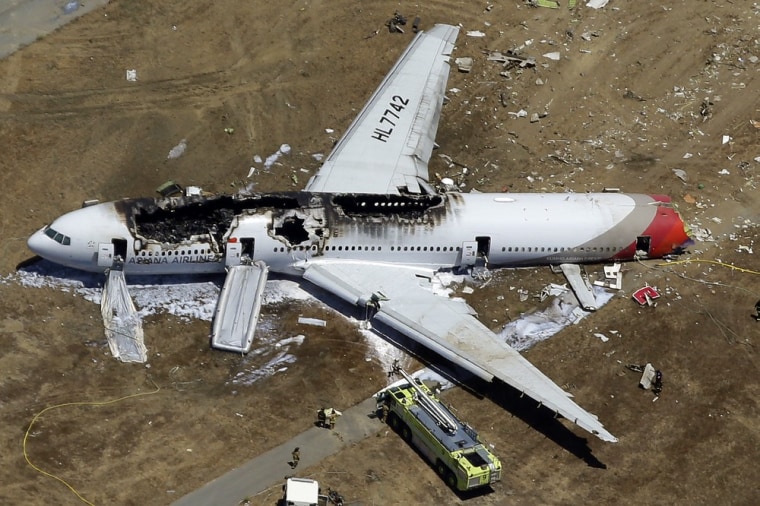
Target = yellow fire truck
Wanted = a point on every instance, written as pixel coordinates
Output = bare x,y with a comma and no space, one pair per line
452,447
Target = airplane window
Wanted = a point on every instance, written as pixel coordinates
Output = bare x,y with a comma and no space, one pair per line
457,248
373,248
379,248
405,248
340,248
424,249
418,248
366,248
529,248
542,248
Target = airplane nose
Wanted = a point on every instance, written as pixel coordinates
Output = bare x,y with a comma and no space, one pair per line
37,242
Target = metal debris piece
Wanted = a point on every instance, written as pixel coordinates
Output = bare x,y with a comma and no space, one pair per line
464,64
395,23
646,296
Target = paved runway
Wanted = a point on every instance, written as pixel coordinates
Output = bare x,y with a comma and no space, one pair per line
271,468
24,21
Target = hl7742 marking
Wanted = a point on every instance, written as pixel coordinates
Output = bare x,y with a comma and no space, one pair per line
390,115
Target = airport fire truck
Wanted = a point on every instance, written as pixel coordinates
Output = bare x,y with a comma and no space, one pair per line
452,447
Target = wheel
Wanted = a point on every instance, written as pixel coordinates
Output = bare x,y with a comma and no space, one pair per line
393,421
440,468
451,480
406,432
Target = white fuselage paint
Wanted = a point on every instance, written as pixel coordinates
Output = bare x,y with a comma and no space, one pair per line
522,229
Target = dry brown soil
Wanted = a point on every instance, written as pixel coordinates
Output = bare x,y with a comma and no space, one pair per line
624,108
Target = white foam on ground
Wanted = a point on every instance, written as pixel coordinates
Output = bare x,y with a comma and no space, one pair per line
187,297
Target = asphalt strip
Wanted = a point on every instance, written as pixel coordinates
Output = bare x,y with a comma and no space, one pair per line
25,21
272,468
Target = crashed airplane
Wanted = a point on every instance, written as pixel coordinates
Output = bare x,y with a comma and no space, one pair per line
370,228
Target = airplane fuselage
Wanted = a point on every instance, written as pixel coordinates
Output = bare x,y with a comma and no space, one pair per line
201,234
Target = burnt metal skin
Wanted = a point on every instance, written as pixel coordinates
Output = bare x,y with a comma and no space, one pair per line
189,234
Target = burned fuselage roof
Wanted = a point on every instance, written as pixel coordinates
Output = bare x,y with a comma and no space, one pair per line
178,219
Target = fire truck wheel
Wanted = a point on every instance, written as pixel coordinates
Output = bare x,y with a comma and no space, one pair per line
406,433
393,421
451,480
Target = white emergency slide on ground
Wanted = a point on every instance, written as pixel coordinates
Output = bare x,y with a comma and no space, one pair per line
237,311
123,325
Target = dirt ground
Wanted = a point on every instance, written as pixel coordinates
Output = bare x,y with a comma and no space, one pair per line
641,88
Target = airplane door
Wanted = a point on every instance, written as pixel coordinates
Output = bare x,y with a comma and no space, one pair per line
469,253
239,251
105,254
643,243
233,253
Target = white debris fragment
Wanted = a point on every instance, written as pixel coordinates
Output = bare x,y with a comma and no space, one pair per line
257,159
726,139
251,171
475,33
316,322
454,90
285,149
724,172
131,75
597,4
601,336
680,174
177,150
318,156
329,130
464,64
687,155
554,55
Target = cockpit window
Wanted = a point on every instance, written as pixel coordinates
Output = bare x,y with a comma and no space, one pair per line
58,237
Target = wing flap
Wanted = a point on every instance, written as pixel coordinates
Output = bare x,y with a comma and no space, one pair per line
392,138
447,326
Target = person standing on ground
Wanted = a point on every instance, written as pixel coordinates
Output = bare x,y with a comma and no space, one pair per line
296,456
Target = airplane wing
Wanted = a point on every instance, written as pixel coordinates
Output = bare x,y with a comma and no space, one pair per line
405,302
388,146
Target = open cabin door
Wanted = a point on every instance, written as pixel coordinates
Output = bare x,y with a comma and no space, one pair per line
238,251
108,252
475,253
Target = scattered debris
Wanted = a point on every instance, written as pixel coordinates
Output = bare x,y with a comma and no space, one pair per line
475,33
680,174
554,55
756,316
551,290
316,322
646,295
651,378
597,4
416,24
601,336
464,64
131,75
613,277
395,23
177,150
229,130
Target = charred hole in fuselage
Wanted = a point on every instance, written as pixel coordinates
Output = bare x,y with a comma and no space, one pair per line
174,220
292,230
